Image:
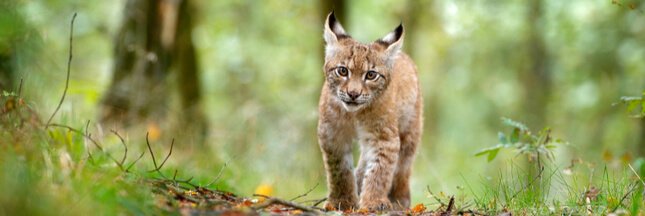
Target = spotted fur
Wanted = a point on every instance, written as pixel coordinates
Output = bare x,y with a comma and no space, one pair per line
385,115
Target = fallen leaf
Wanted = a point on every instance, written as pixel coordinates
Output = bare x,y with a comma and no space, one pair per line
418,208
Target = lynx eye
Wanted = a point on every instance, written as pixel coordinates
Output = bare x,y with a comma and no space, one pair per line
342,71
371,75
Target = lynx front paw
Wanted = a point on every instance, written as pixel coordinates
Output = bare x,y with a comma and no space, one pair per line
376,204
340,204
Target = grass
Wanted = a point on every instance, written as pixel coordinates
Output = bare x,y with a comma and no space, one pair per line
50,172
559,191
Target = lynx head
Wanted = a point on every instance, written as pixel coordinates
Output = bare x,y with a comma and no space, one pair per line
358,73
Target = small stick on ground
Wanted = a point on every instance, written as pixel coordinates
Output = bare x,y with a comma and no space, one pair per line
135,161
124,145
531,183
153,156
305,194
274,200
79,132
622,199
164,160
639,177
69,63
20,87
320,201
261,195
451,204
220,172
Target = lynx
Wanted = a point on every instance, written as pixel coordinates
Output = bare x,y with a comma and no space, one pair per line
371,94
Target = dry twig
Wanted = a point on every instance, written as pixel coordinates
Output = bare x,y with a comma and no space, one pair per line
164,160
153,156
69,63
220,172
451,204
639,177
135,161
274,200
305,194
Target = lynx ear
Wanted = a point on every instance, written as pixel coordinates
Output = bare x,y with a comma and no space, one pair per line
333,30
393,40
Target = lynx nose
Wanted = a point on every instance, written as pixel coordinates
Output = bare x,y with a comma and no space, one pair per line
353,94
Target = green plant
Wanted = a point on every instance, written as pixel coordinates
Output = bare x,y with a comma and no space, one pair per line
524,141
632,104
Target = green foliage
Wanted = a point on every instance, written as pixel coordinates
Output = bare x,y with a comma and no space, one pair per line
48,172
524,142
632,104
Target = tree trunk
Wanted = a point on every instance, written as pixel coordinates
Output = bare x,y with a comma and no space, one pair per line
6,73
155,35
537,81
187,69
537,78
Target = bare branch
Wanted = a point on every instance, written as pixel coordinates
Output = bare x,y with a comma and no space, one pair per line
81,133
20,87
450,204
305,194
639,177
69,63
529,184
261,195
164,160
135,161
274,200
125,155
153,156
220,172
320,201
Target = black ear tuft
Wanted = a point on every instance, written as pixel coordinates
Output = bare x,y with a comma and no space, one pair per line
332,19
335,27
392,37
399,31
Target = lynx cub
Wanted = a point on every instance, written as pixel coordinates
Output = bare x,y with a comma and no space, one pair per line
371,94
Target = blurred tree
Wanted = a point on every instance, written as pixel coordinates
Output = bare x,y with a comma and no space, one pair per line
155,35
537,77
13,29
410,18
416,12
6,71
338,6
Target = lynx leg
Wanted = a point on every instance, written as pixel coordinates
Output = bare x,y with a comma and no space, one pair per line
400,192
359,172
337,155
381,154
410,136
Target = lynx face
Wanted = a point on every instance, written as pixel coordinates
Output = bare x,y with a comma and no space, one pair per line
357,73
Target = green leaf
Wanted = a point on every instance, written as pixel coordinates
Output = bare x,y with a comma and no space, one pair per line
486,150
481,152
515,136
632,105
515,124
492,154
502,138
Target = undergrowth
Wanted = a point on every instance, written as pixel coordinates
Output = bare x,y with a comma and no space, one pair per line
538,186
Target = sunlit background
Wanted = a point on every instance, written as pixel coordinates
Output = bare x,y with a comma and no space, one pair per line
258,68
